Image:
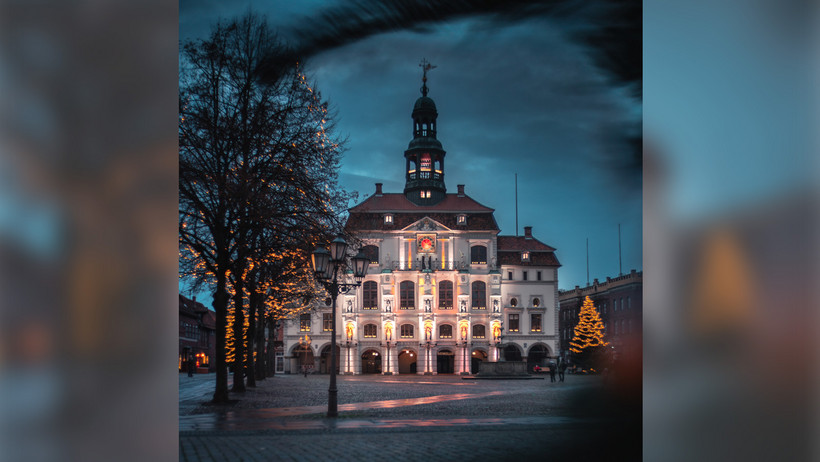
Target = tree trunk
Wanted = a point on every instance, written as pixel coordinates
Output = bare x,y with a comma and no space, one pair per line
221,315
271,369
250,360
239,329
258,306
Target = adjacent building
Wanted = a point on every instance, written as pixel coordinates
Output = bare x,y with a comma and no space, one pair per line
444,291
197,335
619,301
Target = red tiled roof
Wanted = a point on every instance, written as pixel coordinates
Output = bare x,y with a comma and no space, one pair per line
536,259
189,306
395,202
519,243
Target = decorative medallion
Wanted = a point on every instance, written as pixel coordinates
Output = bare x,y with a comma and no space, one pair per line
426,243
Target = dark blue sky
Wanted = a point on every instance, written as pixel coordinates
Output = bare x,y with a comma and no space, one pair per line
520,96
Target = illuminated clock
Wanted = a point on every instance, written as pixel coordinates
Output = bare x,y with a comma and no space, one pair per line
426,243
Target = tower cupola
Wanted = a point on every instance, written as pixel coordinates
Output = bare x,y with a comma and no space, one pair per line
424,156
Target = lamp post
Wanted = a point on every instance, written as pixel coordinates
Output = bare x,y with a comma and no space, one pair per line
327,265
304,345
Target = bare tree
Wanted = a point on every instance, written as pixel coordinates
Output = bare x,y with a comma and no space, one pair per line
258,178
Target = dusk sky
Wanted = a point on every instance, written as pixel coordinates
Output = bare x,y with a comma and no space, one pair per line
514,96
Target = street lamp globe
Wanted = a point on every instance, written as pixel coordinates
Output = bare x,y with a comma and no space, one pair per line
360,264
320,259
338,248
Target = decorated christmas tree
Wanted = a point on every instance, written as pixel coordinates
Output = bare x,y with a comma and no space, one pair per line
588,336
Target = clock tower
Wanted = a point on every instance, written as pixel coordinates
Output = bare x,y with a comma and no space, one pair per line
424,156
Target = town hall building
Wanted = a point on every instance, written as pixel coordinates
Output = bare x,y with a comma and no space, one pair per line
444,291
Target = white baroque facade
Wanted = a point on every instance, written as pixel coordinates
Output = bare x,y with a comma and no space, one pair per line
444,291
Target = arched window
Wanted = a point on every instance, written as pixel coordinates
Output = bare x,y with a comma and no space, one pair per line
479,295
370,296
478,331
407,331
445,295
371,252
478,255
513,302
407,295
445,331
370,330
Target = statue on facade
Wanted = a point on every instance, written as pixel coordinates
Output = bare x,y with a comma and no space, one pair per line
388,305
495,306
350,306
462,306
427,305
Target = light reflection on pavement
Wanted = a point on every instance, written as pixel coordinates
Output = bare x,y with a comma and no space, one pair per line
256,419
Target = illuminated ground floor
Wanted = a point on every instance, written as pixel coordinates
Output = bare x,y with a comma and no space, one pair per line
373,357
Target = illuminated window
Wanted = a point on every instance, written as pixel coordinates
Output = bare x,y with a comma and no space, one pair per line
479,295
370,331
513,302
513,323
407,331
425,194
407,295
425,162
535,322
304,323
445,331
372,253
478,331
461,220
370,296
327,322
536,302
445,295
478,255
525,256
388,219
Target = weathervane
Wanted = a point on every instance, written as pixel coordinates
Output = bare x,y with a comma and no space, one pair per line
426,66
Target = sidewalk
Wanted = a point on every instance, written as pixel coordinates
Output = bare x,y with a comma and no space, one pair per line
400,417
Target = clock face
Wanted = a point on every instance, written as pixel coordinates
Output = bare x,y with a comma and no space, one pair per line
426,243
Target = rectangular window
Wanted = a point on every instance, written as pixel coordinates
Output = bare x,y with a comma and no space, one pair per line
513,323
525,275
525,256
535,322
538,275
370,296
370,331
327,322
478,331
280,362
304,323
388,219
628,303
407,295
406,331
509,275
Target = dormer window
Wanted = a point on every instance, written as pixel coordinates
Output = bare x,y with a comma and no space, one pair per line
388,219
461,220
425,194
525,256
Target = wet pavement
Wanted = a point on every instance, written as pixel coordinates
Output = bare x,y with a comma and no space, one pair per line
402,417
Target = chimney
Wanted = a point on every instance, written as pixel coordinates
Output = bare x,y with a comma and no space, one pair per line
378,189
461,190
528,232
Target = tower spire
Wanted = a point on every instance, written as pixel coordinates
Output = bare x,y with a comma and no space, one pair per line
425,66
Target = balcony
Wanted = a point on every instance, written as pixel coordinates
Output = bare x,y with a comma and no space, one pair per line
438,265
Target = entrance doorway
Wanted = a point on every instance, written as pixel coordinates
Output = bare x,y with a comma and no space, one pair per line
371,362
324,361
539,355
512,353
407,362
446,362
476,359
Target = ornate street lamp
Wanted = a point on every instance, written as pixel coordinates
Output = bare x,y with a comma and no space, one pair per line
329,268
